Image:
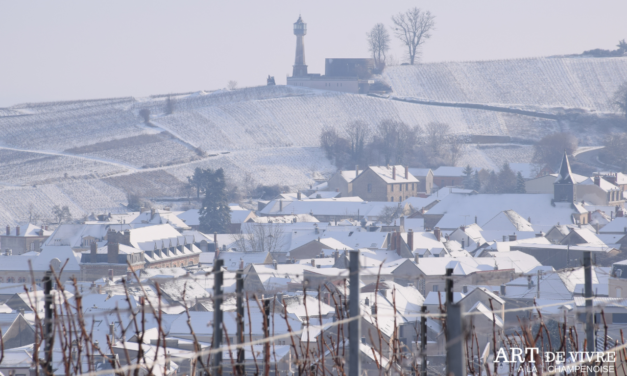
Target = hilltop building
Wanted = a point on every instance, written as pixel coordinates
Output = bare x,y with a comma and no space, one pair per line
345,75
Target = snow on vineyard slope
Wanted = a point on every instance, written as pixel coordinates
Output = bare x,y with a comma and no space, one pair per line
298,120
585,83
268,133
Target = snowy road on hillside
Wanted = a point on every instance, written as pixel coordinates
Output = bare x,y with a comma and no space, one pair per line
60,154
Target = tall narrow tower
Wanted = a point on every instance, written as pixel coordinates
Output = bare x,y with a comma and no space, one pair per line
300,29
564,187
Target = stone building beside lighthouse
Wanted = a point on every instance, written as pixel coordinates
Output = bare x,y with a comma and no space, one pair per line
345,75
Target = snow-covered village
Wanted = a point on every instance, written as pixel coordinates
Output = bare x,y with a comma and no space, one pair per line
367,214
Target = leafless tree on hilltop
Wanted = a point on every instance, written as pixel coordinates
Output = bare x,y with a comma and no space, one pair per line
378,43
413,27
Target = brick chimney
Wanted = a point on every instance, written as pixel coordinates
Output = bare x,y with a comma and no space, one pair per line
298,196
152,213
398,243
356,170
8,230
437,233
93,251
17,230
512,238
410,240
215,242
126,238
113,247
393,172
280,205
611,178
597,180
406,172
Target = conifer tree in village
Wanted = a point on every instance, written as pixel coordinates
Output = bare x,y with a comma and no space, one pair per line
520,183
476,181
468,179
215,213
506,180
198,180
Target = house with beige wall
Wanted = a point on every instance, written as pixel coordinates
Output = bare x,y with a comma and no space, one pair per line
385,183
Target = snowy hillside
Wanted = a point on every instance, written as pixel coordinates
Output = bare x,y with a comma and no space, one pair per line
586,83
90,154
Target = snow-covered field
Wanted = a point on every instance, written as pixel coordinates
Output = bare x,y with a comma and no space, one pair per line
270,133
586,83
26,168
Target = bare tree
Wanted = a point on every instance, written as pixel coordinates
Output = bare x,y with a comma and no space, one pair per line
260,237
335,147
378,44
620,99
407,140
456,149
395,140
145,114
413,27
232,85
358,137
550,149
390,213
437,133
387,136
61,214
615,151
249,184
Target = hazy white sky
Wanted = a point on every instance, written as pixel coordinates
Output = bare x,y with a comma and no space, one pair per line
77,49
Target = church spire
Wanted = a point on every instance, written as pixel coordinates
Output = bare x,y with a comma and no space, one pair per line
565,175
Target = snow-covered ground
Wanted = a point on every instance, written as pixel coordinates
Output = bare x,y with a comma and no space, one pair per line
270,132
585,83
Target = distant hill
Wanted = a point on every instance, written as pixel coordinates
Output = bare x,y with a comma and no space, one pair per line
569,82
90,154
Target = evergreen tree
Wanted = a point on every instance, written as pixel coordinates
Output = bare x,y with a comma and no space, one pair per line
198,180
476,182
468,182
520,183
215,213
493,183
506,180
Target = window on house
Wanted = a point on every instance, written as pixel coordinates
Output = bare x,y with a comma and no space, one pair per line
391,198
391,187
435,288
369,188
400,198
406,186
